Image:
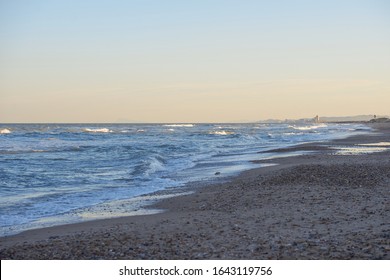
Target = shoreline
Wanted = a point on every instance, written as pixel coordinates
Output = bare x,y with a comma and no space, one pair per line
313,206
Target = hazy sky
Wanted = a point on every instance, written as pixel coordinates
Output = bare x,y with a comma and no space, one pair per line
192,61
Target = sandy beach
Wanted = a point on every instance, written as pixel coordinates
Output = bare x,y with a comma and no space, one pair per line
331,203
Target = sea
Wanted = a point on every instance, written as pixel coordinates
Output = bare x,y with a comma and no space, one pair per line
52,174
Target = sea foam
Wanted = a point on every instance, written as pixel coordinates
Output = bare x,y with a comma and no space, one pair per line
98,130
221,132
376,144
5,131
308,127
155,164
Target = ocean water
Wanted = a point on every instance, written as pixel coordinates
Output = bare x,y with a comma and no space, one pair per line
62,173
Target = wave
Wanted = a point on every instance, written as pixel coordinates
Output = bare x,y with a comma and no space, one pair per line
293,133
221,132
44,150
226,127
155,164
379,144
98,130
179,125
14,152
147,167
7,201
5,131
308,127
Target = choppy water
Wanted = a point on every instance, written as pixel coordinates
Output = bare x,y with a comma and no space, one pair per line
52,171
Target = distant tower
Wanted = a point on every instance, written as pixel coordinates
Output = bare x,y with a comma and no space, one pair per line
317,119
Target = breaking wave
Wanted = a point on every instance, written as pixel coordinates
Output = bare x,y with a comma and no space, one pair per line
5,131
155,164
221,132
308,127
98,130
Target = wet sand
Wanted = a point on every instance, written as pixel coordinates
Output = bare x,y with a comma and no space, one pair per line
323,205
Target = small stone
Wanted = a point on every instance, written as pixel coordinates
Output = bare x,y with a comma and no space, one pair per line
253,248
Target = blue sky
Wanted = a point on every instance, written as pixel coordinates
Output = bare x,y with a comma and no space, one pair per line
192,61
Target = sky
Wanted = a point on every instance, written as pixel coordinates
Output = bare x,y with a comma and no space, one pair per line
192,61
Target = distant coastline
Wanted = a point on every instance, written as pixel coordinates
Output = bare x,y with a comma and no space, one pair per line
324,119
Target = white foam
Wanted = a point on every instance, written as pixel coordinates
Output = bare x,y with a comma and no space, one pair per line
221,132
178,125
155,165
226,127
5,131
11,200
379,144
98,130
293,133
358,150
308,127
